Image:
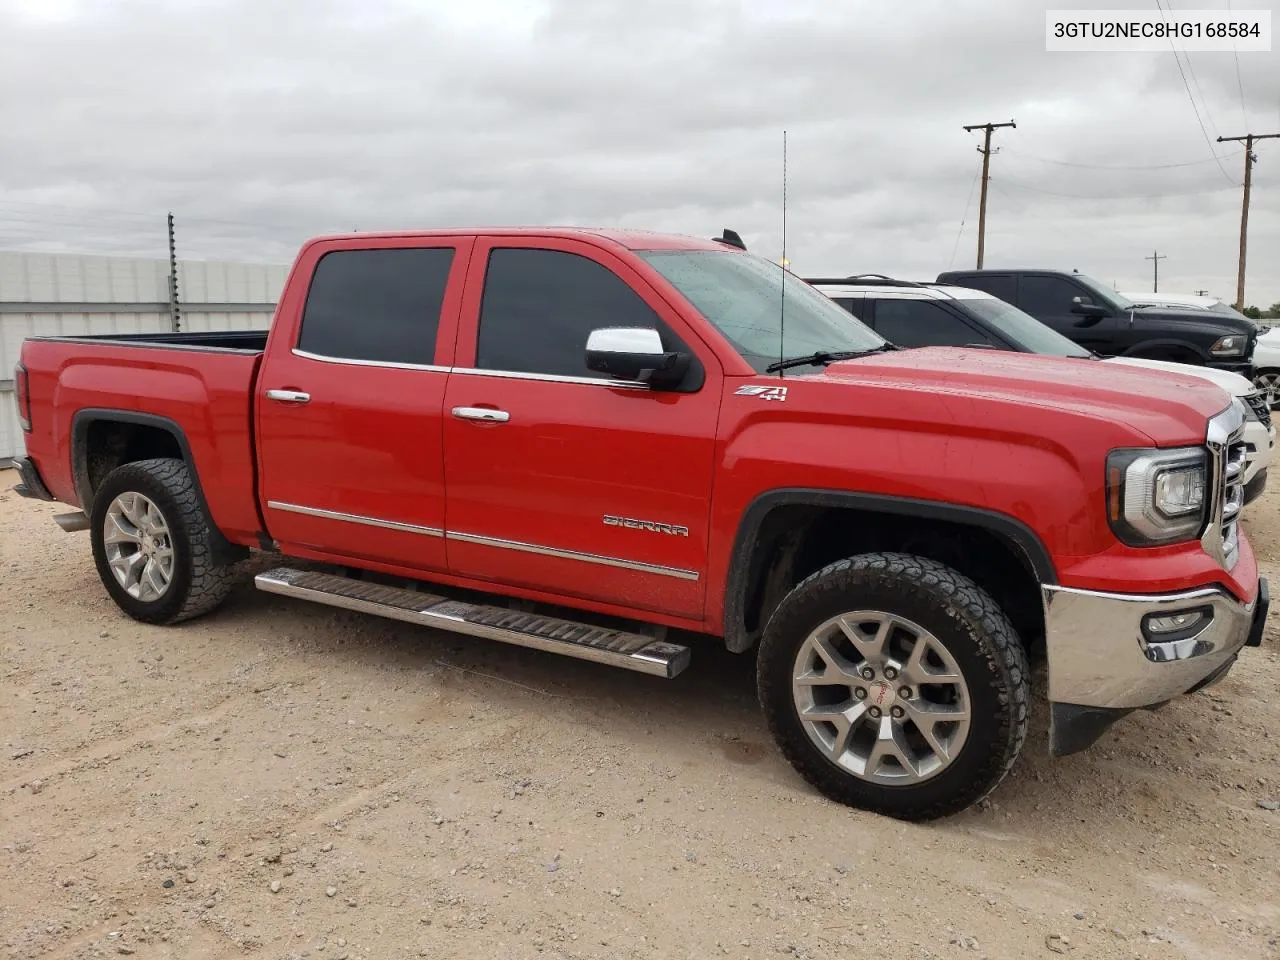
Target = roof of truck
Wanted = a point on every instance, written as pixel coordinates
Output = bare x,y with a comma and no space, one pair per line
631,239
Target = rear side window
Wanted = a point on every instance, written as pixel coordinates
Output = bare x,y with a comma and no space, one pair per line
539,307
1003,286
376,305
922,323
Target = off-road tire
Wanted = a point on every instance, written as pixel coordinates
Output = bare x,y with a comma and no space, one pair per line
198,585
963,617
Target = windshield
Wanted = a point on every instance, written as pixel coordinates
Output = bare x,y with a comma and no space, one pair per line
741,294
1103,294
1022,328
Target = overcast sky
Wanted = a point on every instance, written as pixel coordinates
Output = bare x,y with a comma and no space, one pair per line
260,122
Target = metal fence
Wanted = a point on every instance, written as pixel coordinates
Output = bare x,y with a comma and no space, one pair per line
71,294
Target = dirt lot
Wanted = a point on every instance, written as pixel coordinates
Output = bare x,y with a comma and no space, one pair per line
284,780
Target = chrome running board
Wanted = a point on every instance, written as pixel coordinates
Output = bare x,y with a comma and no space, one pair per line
616,648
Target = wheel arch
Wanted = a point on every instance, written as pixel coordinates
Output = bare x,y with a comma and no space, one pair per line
1165,348
127,437
785,532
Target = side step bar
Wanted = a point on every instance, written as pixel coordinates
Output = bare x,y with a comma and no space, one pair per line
617,648
72,522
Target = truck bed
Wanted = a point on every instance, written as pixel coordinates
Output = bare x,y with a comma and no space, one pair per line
95,397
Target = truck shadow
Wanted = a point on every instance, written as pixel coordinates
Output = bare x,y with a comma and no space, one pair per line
708,717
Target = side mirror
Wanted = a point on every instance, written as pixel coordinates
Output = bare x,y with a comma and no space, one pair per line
1085,306
636,354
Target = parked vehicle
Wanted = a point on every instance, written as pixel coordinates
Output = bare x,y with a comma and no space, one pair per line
604,444
1188,301
912,314
1097,317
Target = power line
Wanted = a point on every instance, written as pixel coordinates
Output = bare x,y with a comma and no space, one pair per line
1100,166
1114,197
1194,108
1244,110
963,217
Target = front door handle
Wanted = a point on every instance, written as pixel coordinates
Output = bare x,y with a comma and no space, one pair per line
288,396
481,413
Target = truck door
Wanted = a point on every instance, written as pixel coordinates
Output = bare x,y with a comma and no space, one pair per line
350,398
1051,300
561,479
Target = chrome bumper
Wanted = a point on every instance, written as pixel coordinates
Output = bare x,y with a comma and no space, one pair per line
1102,664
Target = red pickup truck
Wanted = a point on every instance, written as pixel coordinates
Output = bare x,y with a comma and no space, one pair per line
613,445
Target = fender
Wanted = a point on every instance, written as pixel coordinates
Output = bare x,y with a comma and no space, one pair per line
224,551
1164,345
1006,527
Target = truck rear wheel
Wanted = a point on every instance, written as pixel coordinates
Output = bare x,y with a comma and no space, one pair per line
151,543
895,684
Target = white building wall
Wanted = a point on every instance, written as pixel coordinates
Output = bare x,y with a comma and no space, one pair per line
42,282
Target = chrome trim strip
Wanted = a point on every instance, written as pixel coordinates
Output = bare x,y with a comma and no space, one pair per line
308,355
355,518
552,378
675,572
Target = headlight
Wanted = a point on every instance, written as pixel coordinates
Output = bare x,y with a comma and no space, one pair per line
1232,346
1156,496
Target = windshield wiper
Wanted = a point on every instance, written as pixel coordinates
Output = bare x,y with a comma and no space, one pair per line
824,357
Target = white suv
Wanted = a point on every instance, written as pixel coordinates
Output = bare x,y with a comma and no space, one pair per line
913,314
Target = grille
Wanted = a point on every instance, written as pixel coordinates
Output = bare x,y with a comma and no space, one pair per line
1227,452
1259,409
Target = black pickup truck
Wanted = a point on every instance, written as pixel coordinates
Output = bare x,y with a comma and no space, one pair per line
1101,320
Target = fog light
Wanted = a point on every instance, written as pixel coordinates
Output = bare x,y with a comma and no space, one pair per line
1174,621
1176,625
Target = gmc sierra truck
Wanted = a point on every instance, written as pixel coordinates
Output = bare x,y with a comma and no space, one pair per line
614,445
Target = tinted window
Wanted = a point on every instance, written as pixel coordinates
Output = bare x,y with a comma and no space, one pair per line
1026,332
922,323
381,305
540,305
1047,296
1002,286
852,304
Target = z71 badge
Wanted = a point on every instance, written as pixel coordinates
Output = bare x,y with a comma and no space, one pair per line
764,393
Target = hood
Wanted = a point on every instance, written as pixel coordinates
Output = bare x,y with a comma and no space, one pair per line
1168,407
1203,318
1233,383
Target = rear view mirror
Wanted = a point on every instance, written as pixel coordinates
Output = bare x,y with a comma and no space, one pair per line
635,353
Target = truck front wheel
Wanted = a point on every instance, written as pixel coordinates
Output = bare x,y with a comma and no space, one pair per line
895,684
151,543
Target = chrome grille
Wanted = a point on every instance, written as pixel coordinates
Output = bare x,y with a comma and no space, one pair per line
1227,452
1259,409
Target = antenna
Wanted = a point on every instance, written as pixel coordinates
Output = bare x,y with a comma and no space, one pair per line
782,305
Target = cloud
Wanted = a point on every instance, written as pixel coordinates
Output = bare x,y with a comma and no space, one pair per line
260,124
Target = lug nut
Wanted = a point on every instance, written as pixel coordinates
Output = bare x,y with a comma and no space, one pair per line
860,693
898,712
890,673
868,673
905,693
875,713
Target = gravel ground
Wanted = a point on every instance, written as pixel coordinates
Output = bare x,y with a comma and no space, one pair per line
285,780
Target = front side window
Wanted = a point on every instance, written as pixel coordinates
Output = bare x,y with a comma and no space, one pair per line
922,323
1043,296
376,305
765,312
539,307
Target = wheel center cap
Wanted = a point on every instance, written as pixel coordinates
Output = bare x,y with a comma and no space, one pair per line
880,694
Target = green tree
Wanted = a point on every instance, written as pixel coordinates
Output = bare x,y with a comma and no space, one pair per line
1253,313
1272,312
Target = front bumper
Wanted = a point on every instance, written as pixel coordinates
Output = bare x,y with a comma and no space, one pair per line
1242,367
32,486
1102,665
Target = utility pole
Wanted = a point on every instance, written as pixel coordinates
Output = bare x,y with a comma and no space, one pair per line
985,150
175,313
1249,160
1155,258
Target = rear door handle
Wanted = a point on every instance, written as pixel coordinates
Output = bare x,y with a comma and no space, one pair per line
481,413
288,396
